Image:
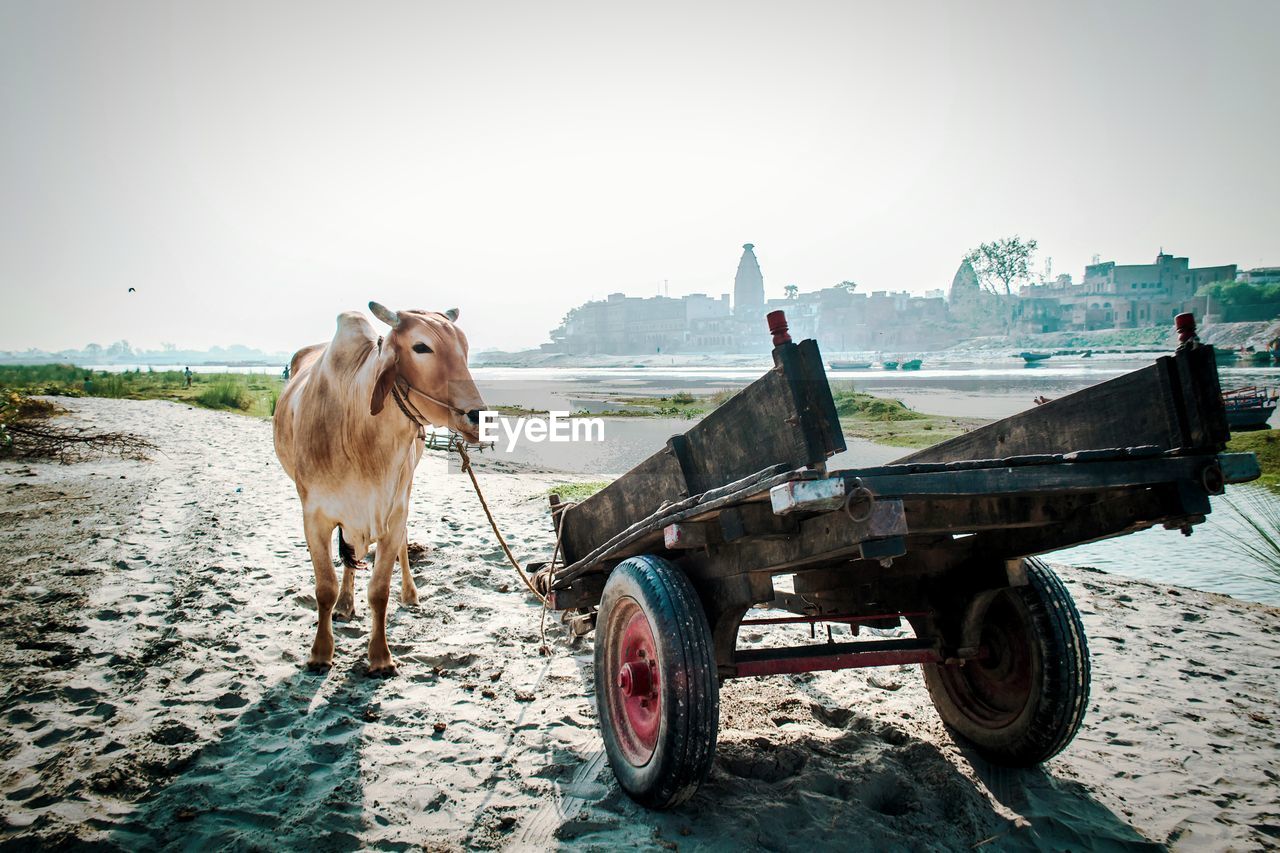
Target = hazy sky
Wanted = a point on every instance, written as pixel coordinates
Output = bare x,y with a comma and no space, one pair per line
255,168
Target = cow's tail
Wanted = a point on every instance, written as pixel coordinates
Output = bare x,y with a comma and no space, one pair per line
347,553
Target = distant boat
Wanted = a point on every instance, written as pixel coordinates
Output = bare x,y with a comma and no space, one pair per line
913,364
850,365
1225,356
1260,357
639,365
1031,357
1249,408
1087,354
891,365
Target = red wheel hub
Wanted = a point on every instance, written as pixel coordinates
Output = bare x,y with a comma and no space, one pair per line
636,698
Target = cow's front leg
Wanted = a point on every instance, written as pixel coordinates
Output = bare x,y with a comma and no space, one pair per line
319,544
408,592
345,609
384,562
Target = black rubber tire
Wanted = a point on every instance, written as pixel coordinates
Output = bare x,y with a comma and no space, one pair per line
690,690
1039,722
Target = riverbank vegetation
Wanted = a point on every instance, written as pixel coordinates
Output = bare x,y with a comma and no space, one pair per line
1258,546
865,416
887,421
247,393
681,404
1266,444
577,491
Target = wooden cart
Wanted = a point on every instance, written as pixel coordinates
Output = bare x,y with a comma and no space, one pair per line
667,562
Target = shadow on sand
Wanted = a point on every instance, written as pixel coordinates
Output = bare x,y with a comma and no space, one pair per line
869,785
1061,813
284,775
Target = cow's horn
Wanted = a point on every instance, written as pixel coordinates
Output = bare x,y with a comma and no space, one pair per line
384,314
452,314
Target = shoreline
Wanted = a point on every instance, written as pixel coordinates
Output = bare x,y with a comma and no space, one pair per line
155,649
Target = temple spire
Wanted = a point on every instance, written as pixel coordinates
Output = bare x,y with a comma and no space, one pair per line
748,284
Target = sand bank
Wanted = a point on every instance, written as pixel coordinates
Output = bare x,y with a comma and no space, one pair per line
155,617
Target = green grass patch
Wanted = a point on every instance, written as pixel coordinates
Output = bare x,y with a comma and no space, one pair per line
855,404
577,491
250,393
865,416
681,404
1266,444
225,394
891,422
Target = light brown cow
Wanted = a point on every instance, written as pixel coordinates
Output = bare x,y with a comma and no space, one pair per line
352,452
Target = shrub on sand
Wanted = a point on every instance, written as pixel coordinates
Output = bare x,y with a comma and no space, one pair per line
225,394
1258,546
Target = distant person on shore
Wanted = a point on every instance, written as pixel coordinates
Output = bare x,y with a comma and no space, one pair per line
186,372
88,383
285,373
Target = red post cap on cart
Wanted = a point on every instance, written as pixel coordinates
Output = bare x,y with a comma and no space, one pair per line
778,327
1185,323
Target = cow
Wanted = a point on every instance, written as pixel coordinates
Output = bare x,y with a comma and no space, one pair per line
351,452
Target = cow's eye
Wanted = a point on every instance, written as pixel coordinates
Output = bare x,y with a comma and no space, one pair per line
421,348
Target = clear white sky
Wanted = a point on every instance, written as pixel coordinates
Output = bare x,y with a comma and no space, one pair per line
254,168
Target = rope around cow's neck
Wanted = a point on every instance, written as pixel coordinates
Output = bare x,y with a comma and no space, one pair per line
402,400
402,403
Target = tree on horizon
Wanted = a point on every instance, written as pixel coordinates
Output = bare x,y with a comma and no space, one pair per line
1002,262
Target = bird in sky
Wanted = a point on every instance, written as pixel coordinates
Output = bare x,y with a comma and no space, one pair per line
133,290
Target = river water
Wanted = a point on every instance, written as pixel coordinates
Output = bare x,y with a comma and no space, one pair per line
957,385
1209,559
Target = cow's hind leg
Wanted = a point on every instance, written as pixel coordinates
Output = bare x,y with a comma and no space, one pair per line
319,543
384,562
345,609
408,592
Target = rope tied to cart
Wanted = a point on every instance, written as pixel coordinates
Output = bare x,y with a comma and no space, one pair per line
457,444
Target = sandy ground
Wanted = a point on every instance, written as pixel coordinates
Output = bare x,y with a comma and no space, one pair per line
155,617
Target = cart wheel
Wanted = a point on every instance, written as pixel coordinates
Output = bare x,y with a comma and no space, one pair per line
1024,701
657,691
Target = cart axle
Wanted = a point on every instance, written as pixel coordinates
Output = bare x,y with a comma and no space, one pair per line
832,656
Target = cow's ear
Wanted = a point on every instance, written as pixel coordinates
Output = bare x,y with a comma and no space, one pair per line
452,314
382,387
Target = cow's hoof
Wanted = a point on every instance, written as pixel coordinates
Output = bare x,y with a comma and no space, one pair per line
409,597
386,670
319,667
344,615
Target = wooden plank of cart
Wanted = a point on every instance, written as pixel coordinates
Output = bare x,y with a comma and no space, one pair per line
670,560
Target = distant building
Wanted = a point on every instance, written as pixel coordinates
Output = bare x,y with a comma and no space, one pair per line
978,311
748,285
839,318
621,325
1039,307
1122,296
965,287
1261,275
